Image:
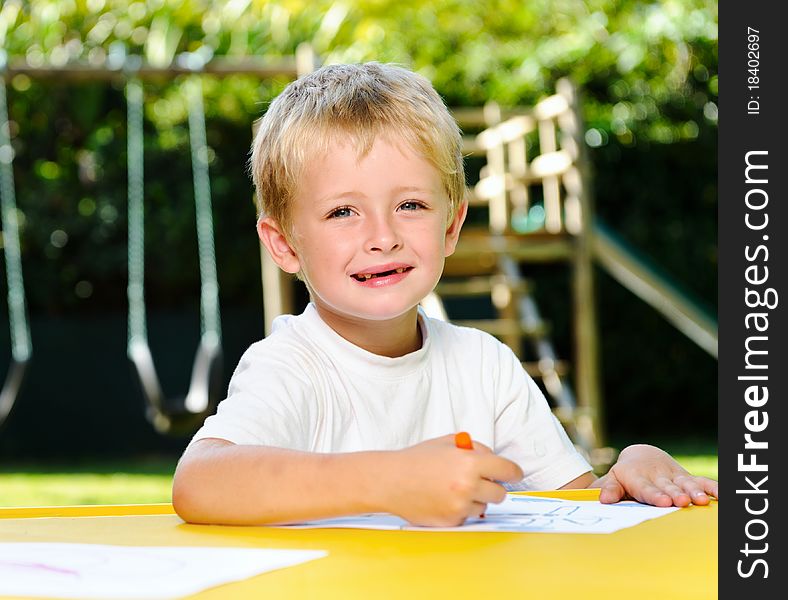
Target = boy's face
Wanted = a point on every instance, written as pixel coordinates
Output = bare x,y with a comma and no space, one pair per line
369,235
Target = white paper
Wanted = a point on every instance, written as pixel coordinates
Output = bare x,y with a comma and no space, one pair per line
522,514
102,571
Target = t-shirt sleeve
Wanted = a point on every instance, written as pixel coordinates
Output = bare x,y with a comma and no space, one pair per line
527,432
269,402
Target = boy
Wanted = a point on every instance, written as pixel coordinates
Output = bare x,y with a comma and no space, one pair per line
351,406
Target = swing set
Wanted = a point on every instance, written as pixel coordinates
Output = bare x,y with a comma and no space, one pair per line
168,415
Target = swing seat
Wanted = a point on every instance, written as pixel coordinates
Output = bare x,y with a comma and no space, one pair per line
181,415
12,385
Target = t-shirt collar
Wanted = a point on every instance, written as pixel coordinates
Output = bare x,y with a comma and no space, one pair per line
360,360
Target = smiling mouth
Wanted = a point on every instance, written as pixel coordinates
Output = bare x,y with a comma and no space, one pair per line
367,276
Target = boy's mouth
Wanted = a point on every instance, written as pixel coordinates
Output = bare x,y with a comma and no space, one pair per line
367,276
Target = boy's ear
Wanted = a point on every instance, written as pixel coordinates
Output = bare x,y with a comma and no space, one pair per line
283,254
453,231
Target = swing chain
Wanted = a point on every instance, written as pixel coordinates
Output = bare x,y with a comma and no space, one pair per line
209,291
21,344
20,333
136,218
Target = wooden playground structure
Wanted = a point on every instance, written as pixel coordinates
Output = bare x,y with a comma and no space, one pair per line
533,202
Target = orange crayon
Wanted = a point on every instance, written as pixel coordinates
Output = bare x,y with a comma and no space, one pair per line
463,440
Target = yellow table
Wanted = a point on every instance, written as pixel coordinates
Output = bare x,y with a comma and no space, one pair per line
669,558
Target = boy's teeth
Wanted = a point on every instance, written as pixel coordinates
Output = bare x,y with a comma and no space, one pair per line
366,276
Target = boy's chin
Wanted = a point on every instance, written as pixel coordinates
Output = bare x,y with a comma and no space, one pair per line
374,313
385,313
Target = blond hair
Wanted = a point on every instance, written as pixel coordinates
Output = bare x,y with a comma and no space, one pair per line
357,103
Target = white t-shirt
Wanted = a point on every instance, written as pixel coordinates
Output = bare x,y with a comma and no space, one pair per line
304,387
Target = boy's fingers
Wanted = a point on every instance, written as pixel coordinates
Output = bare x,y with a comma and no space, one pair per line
611,491
477,510
700,498
705,490
678,494
699,489
711,487
500,469
490,492
651,494
693,488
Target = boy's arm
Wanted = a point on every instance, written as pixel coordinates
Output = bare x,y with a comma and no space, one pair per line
649,475
432,483
217,481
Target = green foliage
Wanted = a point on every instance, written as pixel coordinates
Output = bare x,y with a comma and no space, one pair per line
652,65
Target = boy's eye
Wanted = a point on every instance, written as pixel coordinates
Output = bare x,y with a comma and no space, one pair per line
412,205
341,212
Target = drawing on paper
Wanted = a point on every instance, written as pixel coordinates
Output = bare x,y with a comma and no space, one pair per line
526,514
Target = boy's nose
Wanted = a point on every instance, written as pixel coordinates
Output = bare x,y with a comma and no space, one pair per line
383,237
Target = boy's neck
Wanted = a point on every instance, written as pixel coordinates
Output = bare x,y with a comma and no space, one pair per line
392,338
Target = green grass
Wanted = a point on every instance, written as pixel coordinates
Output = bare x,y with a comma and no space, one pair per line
149,480
124,482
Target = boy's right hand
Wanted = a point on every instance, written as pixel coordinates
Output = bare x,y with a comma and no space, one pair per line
436,484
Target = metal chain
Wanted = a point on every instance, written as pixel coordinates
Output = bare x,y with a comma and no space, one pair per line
209,287
210,323
21,345
136,176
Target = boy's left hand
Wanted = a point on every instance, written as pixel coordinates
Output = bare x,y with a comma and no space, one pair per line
650,475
